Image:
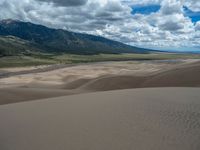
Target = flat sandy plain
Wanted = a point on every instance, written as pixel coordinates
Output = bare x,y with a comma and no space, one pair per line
110,105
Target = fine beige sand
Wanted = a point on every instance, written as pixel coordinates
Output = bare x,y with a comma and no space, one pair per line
141,119
25,84
14,95
80,107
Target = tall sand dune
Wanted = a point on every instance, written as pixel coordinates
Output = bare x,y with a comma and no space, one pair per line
187,76
184,76
141,119
14,95
114,82
99,77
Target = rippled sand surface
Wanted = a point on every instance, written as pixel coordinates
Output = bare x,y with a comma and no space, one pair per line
141,119
25,84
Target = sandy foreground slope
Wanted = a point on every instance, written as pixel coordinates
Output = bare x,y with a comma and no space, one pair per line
141,119
24,84
72,112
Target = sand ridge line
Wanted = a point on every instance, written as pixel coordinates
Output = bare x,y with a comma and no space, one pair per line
93,78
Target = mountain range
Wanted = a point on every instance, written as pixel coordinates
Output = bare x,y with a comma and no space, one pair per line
17,37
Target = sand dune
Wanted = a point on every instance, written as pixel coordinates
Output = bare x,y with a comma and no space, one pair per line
138,119
71,112
187,76
114,82
98,77
13,95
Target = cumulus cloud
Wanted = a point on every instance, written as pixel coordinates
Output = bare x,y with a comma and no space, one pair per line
193,5
168,27
142,2
197,26
171,7
66,2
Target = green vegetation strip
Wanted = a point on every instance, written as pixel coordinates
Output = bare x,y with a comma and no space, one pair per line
36,59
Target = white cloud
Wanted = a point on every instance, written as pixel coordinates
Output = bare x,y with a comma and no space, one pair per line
171,7
66,2
142,2
194,5
197,26
168,27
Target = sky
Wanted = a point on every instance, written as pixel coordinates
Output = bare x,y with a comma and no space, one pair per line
156,24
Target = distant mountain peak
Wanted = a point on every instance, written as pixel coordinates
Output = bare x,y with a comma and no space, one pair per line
62,41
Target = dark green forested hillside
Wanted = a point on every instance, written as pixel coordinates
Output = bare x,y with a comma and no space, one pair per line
49,40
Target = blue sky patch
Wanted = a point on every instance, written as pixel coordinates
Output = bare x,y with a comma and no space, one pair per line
195,16
148,9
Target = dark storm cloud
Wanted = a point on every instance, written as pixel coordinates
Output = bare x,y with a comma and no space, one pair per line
66,2
171,26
